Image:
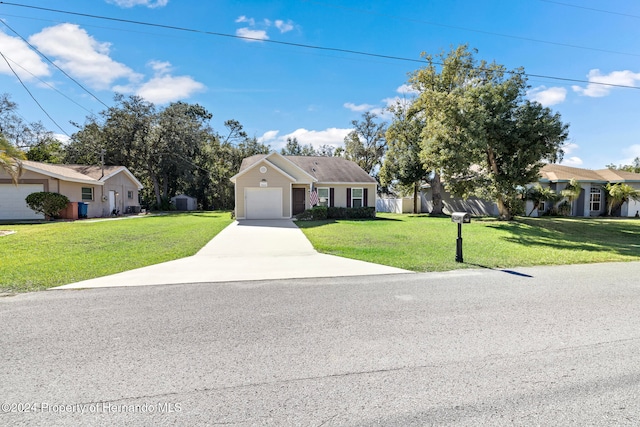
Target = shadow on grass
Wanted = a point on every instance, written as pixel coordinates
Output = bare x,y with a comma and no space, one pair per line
592,235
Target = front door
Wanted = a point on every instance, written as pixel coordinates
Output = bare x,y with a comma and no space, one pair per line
298,200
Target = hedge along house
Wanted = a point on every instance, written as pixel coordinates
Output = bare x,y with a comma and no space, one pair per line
103,189
273,186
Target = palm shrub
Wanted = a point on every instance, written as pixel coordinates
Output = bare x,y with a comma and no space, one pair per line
619,193
571,192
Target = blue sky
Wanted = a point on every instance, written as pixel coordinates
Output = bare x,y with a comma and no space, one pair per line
278,91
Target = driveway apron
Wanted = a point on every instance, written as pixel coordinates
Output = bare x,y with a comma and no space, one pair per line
245,250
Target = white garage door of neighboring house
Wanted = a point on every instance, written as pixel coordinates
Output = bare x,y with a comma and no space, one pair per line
12,203
634,206
263,203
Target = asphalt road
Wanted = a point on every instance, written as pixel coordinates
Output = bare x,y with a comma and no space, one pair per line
540,346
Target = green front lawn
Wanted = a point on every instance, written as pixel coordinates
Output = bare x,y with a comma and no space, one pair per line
41,256
422,243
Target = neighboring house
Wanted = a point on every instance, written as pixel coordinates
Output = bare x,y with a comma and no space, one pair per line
273,186
103,189
591,202
183,202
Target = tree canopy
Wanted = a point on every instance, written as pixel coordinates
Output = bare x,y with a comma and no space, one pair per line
366,143
480,132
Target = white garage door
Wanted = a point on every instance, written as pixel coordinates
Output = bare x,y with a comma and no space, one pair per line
263,203
12,203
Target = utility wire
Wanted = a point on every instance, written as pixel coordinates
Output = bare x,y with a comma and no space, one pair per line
491,33
53,63
307,46
50,86
591,8
30,94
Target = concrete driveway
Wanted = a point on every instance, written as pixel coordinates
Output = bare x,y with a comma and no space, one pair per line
245,250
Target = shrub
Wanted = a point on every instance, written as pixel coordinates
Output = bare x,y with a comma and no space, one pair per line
49,204
351,213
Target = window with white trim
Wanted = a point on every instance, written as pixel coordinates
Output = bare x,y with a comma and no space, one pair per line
129,194
87,193
541,207
356,197
324,196
594,199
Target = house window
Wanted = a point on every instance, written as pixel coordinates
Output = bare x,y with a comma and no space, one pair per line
541,207
129,194
594,199
87,193
356,197
324,197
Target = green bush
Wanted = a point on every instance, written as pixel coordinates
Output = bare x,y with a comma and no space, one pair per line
351,213
49,204
318,213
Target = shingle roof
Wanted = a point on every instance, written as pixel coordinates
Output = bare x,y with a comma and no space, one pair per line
324,169
93,171
555,173
61,171
331,169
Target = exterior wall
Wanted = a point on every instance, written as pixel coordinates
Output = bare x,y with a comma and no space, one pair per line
253,177
289,168
340,192
73,190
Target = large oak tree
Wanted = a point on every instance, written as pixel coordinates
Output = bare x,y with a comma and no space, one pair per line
480,131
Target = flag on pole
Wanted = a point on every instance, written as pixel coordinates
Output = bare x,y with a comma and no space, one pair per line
313,198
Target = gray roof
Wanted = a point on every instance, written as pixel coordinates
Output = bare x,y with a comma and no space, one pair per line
324,169
555,173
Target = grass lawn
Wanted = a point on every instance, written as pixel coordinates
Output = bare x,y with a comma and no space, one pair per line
41,256
422,243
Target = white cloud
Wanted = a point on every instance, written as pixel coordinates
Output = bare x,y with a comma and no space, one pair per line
163,89
258,32
284,27
626,77
570,147
131,3
243,19
256,35
631,153
18,52
330,136
407,90
572,161
81,55
548,96
357,108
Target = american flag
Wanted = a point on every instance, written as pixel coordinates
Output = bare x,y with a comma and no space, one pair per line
313,198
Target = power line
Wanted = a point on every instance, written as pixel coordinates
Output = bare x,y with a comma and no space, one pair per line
31,95
591,9
51,86
322,48
491,33
54,64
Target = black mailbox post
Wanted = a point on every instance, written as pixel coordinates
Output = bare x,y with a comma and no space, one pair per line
460,218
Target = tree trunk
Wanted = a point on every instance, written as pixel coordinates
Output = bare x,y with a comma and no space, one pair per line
436,194
415,196
502,208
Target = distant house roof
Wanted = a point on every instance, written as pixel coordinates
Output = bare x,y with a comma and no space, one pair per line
560,173
79,173
324,169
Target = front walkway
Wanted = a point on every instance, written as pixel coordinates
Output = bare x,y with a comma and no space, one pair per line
245,250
